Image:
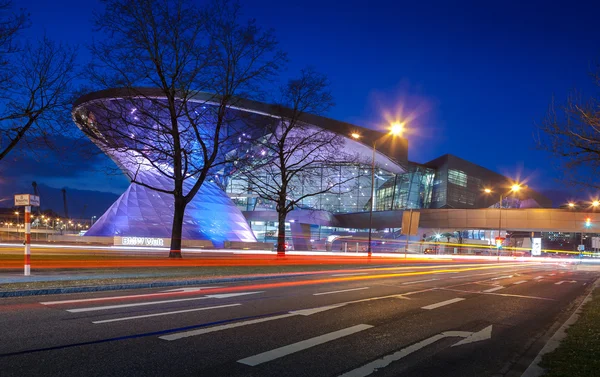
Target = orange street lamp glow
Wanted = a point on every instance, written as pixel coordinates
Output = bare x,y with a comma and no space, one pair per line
571,205
595,203
355,135
487,191
515,187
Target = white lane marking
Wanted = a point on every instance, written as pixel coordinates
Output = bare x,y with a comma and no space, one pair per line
189,289
165,313
520,282
496,294
537,277
502,277
356,273
418,281
302,345
311,311
343,290
493,289
186,334
565,281
443,303
165,293
109,307
551,274
304,312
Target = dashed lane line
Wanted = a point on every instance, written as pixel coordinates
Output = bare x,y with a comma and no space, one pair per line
493,289
443,303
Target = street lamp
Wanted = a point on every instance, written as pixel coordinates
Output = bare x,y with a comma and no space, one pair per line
17,213
395,129
514,188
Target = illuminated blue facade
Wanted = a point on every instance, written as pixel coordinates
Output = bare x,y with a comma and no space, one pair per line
119,124
142,212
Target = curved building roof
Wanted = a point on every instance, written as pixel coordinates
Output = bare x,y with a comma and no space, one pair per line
389,153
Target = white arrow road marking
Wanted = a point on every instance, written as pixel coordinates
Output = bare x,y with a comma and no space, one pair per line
163,294
493,289
299,346
108,307
476,337
344,290
565,281
443,303
373,366
165,313
190,289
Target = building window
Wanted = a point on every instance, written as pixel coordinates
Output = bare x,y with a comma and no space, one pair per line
457,177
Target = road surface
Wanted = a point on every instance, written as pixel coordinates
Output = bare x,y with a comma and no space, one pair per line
431,320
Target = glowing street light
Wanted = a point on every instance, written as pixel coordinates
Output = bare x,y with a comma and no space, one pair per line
571,205
595,203
397,128
515,187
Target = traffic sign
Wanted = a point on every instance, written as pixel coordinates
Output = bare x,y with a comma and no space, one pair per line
27,200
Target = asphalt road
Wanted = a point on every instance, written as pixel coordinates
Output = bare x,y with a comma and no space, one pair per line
458,320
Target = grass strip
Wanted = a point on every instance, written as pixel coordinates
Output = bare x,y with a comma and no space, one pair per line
577,354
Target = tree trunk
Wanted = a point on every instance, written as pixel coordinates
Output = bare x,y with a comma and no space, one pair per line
281,235
178,212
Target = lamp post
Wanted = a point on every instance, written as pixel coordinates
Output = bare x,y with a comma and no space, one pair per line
17,213
395,129
513,189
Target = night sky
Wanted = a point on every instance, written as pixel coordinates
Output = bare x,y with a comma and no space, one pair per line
475,76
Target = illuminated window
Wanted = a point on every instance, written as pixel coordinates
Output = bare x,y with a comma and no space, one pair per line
457,177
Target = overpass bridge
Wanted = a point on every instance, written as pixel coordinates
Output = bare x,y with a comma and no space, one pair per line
530,219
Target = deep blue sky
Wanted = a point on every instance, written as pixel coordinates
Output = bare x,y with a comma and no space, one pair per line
477,75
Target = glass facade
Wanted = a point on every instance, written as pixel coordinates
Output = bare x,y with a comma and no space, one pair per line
351,190
412,189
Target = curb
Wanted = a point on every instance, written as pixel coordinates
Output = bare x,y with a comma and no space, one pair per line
115,287
534,369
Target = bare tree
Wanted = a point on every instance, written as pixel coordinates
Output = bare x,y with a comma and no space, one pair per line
297,161
571,132
35,84
176,130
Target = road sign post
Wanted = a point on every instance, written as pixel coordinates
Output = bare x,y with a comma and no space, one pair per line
27,201
27,269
